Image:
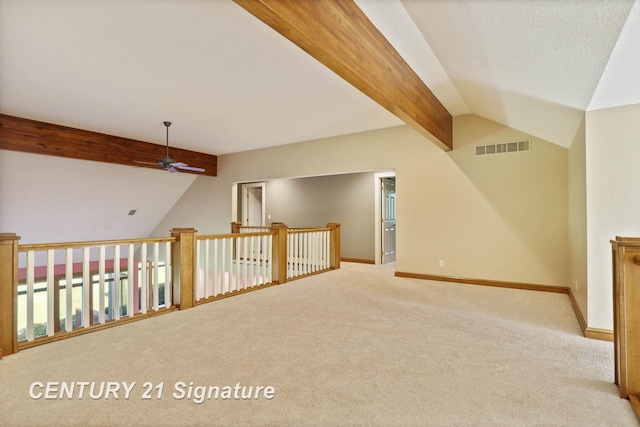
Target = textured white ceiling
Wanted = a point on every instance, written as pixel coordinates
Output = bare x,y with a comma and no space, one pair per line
531,65
229,83
620,84
226,81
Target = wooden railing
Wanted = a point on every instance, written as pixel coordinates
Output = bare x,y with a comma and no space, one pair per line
231,263
57,290
308,251
626,317
63,287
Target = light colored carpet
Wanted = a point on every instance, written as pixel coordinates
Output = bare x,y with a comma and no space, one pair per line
356,346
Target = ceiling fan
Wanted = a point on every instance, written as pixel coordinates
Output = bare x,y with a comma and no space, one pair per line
170,164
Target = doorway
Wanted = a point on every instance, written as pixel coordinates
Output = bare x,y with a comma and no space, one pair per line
253,204
388,225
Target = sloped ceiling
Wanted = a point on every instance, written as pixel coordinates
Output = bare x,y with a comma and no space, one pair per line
229,83
48,199
619,84
530,65
225,80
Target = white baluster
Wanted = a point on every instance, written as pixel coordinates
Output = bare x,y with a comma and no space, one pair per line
101,291
223,264
87,314
327,249
245,267
269,275
198,292
167,275
155,285
30,293
130,282
117,297
236,275
232,276
143,278
291,253
51,294
69,289
216,268
314,245
252,252
207,282
306,252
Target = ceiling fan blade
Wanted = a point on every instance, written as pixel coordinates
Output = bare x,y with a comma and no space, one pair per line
170,164
188,168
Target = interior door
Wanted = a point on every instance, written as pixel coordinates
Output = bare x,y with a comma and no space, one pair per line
252,205
388,222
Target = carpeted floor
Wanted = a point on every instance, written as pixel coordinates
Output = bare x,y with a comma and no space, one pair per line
356,346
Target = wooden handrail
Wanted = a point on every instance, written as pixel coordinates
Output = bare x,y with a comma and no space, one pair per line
65,245
233,235
306,230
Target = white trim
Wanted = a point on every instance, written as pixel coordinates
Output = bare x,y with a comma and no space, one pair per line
234,202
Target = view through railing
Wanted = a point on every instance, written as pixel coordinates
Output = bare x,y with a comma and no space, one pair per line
57,290
233,262
67,286
308,251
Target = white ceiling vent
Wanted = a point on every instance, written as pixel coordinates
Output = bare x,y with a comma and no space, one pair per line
503,147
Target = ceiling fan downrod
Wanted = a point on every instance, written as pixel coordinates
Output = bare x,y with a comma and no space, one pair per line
167,124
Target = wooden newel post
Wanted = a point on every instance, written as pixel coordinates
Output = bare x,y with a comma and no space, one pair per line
235,227
279,271
8,293
335,244
626,316
183,260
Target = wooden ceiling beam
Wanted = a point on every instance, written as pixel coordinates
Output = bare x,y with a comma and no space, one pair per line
339,35
30,136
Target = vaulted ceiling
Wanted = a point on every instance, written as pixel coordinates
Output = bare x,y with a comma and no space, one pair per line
230,83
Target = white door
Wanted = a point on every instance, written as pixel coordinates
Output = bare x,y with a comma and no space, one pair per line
253,205
388,222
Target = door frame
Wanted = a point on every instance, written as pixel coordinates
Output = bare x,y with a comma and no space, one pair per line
378,213
245,191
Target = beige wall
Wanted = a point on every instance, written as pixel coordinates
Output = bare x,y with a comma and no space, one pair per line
502,217
512,208
207,203
578,219
613,205
313,202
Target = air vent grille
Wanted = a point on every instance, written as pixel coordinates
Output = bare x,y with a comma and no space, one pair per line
503,147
